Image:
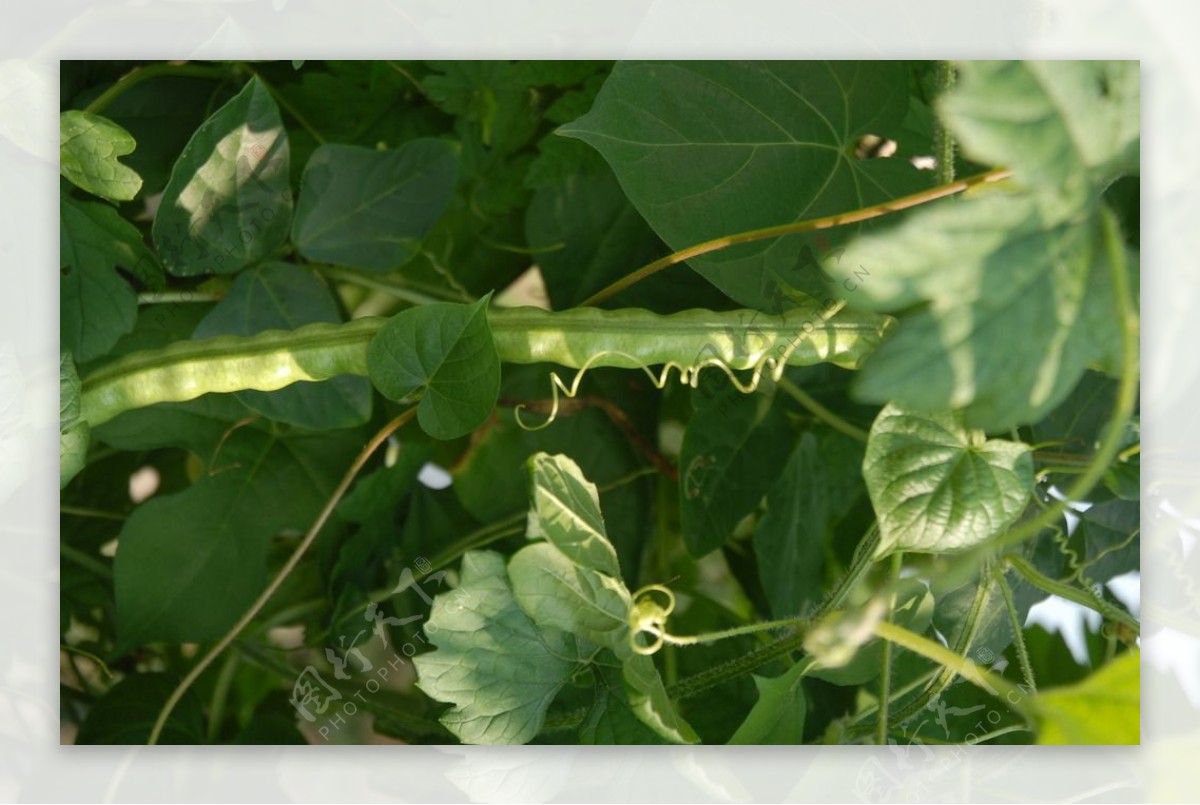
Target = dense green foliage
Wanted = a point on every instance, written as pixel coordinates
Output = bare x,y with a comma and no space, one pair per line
799,480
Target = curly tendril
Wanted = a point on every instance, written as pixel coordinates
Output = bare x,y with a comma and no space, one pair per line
770,363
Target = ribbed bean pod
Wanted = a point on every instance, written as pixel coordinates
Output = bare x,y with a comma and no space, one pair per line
581,338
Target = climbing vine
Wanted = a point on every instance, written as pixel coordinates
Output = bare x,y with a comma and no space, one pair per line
592,402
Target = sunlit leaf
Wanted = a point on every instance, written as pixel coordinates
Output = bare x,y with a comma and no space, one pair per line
228,203
89,146
937,485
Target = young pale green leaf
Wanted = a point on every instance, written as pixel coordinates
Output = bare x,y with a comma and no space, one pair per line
778,715
1105,708
733,451
565,510
500,669
279,296
370,209
988,267
176,549
559,593
73,433
96,304
88,149
822,480
572,583
488,488
938,486
228,203
705,149
445,351
1057,124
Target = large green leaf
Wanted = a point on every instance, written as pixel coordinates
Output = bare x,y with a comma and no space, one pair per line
733,450
228,203
96,304
1058,124
445,351
1105,708
88,149
498,667
705,149
778,715
1032,261
370,209
821,481
937,485
586,235
175,550
988,267
161,115
279,296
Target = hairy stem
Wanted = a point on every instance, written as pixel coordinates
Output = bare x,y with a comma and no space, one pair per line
885,675
1018,631
962,666
285,571
943,139
1078,595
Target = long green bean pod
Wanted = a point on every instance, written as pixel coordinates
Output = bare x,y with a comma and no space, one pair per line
580,338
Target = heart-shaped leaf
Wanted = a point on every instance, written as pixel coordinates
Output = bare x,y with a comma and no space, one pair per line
937,485
710,148
445,351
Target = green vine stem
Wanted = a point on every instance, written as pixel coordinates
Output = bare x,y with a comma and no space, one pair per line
943,676
797,227
821,412
1070,592
959,665
1014,622
140,74
885,674
301,548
